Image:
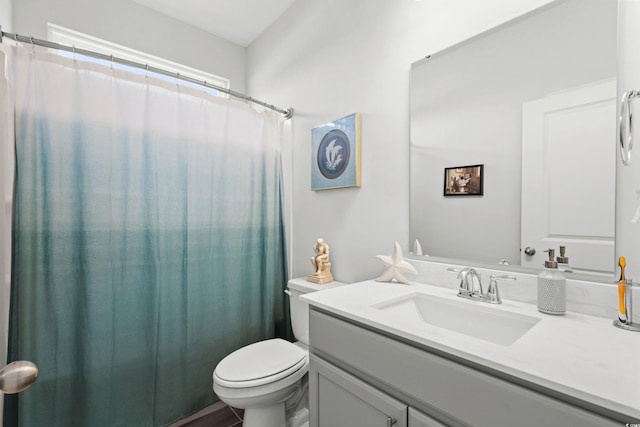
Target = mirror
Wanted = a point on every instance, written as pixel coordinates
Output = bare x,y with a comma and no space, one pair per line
506,99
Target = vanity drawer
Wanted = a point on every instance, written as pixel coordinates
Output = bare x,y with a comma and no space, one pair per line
436,385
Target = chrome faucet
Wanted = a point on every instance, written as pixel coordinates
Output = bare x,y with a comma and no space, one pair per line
470,284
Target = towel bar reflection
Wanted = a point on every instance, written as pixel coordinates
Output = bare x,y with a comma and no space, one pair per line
625,125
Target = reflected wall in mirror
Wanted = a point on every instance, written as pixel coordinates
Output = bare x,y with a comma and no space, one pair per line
547,78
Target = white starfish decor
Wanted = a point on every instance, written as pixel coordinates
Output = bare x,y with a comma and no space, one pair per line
397,267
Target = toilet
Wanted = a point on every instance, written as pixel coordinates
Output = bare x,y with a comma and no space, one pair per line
268,379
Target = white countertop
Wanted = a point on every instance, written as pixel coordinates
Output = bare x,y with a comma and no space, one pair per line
576,354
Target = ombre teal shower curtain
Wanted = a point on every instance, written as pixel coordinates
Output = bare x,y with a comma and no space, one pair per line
148,240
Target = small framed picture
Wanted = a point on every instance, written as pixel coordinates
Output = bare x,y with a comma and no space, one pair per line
464,180
335,153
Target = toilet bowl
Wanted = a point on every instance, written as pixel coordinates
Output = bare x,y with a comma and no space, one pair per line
268,379
260,378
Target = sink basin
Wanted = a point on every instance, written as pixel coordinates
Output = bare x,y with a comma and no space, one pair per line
475,319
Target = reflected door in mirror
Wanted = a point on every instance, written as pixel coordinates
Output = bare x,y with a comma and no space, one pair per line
568,176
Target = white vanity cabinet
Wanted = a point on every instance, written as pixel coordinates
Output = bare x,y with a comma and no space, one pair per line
362,377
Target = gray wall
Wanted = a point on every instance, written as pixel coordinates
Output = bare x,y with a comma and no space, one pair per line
130,24
331,58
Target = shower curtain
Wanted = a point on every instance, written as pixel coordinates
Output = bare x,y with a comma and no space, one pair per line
148,240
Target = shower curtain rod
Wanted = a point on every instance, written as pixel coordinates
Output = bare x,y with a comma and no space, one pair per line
287,113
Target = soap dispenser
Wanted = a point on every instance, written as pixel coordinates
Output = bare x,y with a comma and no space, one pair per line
552,288
563,261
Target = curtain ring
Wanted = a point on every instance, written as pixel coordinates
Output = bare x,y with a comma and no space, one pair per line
111,62
177,79
146,68
73,48
33,46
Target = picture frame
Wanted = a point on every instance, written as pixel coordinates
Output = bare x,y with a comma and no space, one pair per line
464,181
336,153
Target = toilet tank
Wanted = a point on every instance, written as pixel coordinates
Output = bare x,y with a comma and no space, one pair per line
299,309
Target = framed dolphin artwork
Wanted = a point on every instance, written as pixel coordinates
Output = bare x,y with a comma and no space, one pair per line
335,153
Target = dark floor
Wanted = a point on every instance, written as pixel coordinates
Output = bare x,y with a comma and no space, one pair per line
216,415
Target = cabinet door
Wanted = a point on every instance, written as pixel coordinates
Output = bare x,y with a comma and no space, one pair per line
337,399
418,419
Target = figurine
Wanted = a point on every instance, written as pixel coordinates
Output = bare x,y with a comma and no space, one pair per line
321,263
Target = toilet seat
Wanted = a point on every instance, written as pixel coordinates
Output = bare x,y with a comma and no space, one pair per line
260,363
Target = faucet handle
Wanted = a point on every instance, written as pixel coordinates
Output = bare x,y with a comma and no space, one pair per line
493,295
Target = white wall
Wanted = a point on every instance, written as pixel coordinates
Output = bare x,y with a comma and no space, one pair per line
5,15
130,24
331,58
